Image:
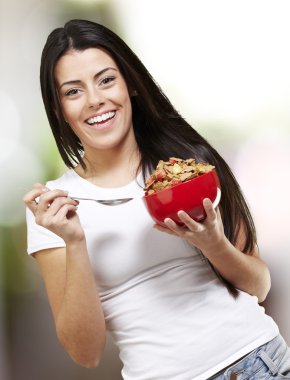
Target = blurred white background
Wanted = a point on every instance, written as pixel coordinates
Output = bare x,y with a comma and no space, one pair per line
225,66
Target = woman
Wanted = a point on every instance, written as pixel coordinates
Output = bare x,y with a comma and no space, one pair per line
180,302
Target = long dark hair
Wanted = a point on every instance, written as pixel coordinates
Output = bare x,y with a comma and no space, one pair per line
160,131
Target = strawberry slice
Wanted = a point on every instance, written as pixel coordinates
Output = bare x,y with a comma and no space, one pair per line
160,174
175,181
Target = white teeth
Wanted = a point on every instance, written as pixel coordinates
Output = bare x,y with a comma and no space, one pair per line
99,119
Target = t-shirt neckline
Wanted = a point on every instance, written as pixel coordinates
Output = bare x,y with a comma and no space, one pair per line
138,180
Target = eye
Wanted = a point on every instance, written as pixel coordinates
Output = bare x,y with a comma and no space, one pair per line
107,80
72,92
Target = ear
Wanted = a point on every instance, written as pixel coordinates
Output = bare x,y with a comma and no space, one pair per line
133,93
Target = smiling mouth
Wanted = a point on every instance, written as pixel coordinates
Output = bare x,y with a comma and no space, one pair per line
101,119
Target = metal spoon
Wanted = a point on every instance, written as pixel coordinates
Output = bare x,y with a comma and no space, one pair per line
106,202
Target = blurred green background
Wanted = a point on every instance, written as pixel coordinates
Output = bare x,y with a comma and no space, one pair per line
225,66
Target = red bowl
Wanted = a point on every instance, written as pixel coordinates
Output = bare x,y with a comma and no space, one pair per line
187,196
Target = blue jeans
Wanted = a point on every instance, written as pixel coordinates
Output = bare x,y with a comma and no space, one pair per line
269,361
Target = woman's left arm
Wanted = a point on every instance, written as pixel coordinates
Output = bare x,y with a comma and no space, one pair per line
247,272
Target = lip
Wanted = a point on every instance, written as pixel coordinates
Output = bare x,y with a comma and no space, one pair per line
104,125
99,114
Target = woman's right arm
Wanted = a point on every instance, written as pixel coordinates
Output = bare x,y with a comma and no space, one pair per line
68,278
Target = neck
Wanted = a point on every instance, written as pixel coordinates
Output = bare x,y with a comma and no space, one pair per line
111,168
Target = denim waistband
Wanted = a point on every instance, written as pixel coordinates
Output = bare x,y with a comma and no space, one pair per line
269,356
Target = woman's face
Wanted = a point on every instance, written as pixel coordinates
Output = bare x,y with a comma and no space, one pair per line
94,99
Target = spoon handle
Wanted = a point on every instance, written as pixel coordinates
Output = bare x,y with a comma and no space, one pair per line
107,202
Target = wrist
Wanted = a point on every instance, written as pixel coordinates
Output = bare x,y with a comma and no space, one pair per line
217,248
76,242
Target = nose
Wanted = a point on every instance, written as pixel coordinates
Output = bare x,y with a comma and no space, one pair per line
95,98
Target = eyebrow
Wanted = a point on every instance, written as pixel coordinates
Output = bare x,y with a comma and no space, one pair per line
96,76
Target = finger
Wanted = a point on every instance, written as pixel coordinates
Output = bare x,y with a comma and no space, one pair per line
209,210
173,226
190,223
30,199
46,199
164,229
58,203
66,211
218,214
39,185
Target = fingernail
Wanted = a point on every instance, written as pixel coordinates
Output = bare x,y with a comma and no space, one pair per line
169,222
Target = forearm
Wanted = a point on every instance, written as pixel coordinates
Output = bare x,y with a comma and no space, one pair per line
245,272
80,322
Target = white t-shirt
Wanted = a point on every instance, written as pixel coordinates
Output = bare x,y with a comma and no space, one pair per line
169,314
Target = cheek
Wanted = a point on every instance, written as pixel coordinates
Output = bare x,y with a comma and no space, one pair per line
122,95
126,101
69,112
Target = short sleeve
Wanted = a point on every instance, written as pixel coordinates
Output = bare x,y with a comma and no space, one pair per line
38,237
